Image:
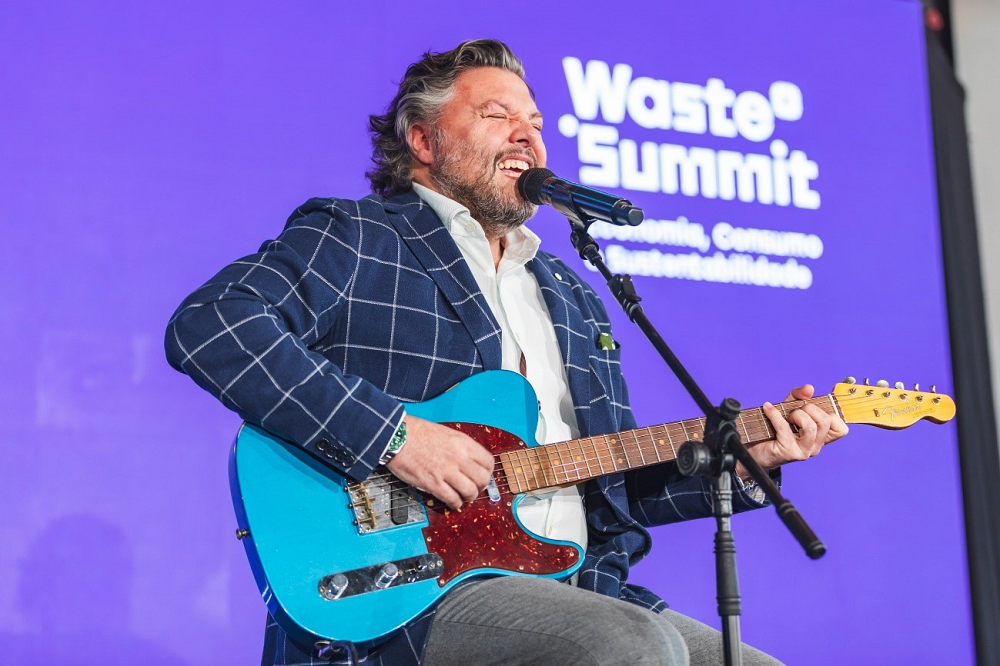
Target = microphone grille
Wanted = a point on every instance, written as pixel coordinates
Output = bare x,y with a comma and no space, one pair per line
529,184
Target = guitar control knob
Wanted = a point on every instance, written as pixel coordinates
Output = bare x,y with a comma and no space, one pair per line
882,383
386,575
336,587
899,385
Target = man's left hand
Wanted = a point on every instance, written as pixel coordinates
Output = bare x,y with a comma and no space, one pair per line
813,429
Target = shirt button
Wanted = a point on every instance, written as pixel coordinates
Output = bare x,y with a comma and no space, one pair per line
558,277
470,226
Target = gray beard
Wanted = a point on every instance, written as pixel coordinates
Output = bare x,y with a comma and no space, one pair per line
487,203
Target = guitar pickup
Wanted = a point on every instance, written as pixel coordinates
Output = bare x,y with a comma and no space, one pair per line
399,507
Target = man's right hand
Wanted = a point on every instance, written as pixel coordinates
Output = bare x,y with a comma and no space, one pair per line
443,462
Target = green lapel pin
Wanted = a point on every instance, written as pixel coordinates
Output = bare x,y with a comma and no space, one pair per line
606,342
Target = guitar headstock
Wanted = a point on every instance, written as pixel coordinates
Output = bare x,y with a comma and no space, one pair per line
887,407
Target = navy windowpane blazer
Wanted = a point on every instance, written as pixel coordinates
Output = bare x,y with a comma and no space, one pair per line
360,306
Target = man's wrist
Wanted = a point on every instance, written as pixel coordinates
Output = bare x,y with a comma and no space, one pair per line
749,486
746,484
395,444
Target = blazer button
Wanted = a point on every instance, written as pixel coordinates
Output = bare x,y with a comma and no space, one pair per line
323,444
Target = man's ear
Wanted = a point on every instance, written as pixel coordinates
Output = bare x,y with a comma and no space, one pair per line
421,145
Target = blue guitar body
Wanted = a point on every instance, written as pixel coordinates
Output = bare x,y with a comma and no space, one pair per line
342,561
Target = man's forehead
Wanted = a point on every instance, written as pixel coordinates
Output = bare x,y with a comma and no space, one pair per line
485,86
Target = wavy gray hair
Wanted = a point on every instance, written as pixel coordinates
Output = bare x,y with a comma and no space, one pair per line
423,92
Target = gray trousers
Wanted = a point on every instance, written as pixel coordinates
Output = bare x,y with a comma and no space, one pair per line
520,620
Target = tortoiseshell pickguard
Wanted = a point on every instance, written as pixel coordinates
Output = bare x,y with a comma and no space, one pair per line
485,534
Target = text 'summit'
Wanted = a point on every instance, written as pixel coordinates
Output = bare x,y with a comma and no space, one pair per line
603,97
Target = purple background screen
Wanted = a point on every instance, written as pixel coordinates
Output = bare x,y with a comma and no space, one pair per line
146,145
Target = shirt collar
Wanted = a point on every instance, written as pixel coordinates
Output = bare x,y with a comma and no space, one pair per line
520,245
445,208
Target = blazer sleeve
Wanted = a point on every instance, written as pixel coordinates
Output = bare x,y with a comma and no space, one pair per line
660,495
245,337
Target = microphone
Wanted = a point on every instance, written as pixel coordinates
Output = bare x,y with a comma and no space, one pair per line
541,186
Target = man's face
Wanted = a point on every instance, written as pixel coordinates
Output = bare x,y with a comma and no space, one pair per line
486,136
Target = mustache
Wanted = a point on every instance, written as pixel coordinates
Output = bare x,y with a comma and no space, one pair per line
514,153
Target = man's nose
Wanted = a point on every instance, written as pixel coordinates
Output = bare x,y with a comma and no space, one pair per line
528,136
523,131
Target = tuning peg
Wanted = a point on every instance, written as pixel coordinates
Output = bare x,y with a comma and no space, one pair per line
899,386
866,382
933,388
882,383
916,387
850,380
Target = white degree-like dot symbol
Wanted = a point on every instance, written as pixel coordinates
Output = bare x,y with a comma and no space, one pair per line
569,125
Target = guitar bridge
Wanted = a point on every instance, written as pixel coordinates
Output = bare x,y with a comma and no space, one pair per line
382,501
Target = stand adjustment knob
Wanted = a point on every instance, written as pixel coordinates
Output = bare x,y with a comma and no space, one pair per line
730,409
694,459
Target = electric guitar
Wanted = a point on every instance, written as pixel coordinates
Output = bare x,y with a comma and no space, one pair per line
337,560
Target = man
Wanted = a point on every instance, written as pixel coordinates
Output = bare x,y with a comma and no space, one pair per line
361,306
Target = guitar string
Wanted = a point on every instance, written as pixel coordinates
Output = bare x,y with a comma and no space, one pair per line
638,446
667,429
396,484
577,466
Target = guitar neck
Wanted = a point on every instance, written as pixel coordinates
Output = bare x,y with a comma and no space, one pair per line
579,460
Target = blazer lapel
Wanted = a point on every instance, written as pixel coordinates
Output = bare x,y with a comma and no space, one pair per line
432,245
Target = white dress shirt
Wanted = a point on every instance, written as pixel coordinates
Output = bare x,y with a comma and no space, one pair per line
516,300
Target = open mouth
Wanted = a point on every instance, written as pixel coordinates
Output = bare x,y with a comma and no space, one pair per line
513,167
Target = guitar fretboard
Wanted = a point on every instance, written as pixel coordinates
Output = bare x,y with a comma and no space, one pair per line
579,460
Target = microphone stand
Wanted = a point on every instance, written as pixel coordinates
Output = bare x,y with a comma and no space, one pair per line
716,455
